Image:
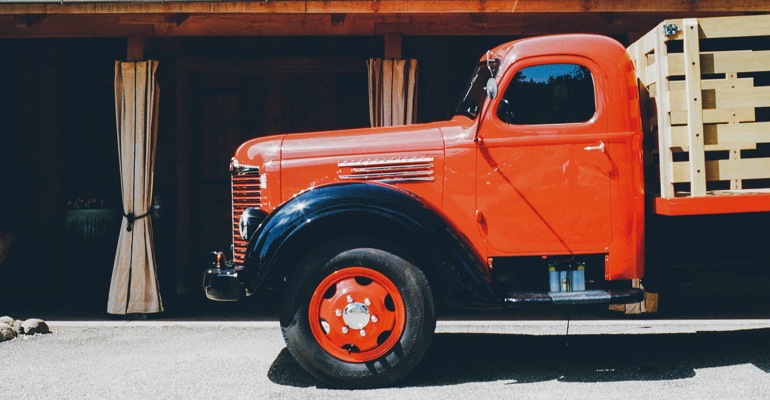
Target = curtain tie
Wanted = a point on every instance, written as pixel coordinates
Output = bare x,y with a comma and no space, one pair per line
131,217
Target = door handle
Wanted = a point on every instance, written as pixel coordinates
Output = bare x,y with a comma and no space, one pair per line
600,147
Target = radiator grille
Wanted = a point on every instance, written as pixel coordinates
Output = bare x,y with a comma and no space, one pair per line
246,193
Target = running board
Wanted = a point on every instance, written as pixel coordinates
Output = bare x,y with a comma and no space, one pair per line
622,296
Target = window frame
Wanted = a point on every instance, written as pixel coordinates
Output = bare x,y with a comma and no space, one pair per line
573,114
595,123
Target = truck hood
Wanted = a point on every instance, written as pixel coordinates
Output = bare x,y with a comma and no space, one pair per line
365,141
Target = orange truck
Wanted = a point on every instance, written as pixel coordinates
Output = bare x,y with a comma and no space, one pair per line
566,156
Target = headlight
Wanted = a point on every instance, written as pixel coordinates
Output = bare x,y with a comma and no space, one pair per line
250,220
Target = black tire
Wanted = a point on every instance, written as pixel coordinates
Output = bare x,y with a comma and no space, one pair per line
399,357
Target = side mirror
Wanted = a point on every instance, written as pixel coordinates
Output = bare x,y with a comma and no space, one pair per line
491,88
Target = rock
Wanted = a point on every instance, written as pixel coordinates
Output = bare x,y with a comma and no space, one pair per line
33,326
17,326
7,320
7,333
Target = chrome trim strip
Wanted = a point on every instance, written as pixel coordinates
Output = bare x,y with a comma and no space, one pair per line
389,175
409,169
393,168
387,161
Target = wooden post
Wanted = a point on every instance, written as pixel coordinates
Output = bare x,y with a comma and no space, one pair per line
393,46
664,122
135,48
694,108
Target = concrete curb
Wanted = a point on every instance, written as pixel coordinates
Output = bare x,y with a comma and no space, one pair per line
535,328
600,327
158,324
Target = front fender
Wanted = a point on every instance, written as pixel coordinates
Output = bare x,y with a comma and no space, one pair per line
461,271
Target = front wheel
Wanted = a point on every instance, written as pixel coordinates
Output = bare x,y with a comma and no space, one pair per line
358,317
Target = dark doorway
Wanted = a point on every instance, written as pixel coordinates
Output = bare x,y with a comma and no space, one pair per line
223,103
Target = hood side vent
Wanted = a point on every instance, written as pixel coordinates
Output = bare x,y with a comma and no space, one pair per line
414,169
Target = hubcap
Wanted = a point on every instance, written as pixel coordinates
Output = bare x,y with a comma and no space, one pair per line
357,314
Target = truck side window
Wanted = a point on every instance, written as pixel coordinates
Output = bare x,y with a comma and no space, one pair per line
549,94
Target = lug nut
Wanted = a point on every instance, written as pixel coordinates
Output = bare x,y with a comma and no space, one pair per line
374,318
350,299
362,332
338,312
367,302
344,329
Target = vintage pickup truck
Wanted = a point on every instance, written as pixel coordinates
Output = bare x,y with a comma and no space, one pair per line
534,192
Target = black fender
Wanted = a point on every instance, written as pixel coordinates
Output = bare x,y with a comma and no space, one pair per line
364,208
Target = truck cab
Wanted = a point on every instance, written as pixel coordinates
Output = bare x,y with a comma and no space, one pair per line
559,168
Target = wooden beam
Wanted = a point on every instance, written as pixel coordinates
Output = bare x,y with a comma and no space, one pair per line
382,6
337,19
153,19
182,25
25,21
175,19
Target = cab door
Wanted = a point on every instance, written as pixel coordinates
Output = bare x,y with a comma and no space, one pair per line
543,170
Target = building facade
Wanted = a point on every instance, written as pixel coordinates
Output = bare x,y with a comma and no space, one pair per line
228,71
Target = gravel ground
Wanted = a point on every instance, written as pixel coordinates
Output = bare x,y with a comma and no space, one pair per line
239,360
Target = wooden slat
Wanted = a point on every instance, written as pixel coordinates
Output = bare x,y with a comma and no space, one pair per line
714,84
725,136
727,27
723,61
725,170
739,97
649,75
755,97
725,115
758,132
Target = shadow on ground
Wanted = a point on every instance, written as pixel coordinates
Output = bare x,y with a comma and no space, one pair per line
466,358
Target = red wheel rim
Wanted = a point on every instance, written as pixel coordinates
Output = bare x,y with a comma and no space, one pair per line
357,314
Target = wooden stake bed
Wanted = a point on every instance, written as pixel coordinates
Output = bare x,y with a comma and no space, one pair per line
705,90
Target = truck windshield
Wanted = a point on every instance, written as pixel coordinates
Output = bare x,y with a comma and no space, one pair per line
474,94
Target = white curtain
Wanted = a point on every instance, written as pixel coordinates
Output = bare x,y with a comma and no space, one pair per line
134,285
392,92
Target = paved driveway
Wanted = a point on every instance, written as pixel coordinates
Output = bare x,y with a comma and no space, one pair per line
638,359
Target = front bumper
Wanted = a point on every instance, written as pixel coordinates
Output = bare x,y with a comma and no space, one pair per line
222,284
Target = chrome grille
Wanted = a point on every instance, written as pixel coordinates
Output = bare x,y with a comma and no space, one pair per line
246,190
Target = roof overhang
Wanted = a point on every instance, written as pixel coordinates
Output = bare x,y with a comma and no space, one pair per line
68,18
